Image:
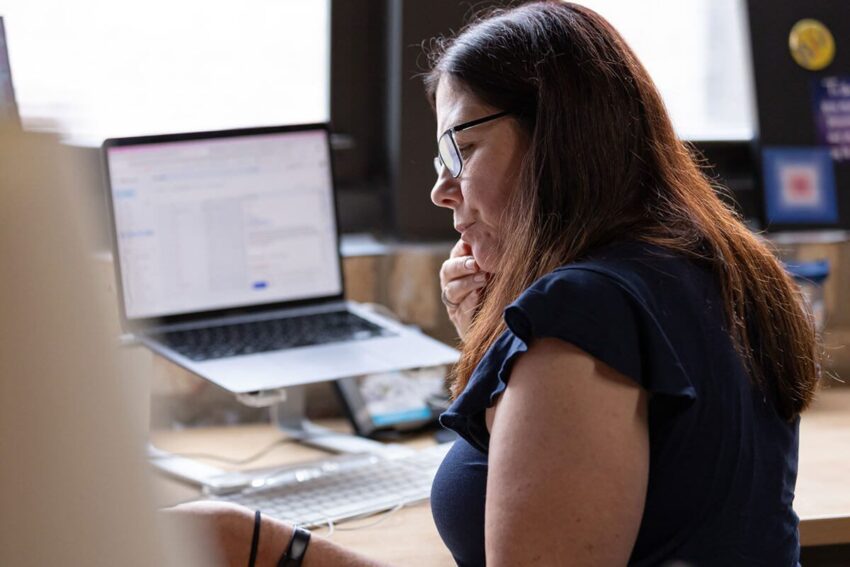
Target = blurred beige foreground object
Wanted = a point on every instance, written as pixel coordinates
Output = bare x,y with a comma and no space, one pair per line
74,485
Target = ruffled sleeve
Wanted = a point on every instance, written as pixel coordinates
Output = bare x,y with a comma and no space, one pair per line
592,309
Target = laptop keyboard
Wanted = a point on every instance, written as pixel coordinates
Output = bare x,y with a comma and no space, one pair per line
271,334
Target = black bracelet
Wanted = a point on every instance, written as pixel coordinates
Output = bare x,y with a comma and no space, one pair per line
255,540
294,554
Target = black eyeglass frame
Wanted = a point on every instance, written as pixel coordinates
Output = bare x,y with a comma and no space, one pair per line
439,163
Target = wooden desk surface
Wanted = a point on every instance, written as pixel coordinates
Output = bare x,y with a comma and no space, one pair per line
823,481
409,537
405,537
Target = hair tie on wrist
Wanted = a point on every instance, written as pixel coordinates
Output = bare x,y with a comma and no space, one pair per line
294,554
255,539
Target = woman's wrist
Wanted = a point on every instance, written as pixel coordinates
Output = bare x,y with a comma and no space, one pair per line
274,538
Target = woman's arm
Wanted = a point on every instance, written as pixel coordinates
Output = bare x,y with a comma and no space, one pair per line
229,528
568,463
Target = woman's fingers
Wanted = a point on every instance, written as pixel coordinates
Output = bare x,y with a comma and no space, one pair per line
467,307
456,268
461,280
460,248
460,264
461,316
457,289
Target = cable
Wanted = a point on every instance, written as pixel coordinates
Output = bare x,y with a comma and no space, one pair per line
244,461
383,516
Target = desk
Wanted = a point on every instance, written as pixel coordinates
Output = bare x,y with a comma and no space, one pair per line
405,537
823,481
409,537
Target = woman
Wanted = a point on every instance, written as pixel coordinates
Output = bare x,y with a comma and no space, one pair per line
634,361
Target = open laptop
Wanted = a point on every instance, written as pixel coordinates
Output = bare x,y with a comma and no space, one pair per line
227,257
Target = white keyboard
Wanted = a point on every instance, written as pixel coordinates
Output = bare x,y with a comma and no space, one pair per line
335,489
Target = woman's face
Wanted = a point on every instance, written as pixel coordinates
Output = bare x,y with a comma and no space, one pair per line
492,153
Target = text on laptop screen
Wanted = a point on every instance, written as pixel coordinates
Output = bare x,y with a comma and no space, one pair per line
224,222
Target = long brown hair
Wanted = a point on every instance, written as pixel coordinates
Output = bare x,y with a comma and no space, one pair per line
604,162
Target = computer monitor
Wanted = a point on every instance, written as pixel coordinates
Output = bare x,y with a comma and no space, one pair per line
8,106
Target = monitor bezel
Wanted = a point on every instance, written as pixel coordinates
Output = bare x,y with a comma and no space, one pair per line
137,324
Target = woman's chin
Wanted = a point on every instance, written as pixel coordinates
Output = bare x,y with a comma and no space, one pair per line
485,258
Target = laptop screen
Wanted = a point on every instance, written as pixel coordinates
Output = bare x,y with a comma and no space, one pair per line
223,222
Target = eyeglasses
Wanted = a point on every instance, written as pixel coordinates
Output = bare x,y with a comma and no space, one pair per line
448,153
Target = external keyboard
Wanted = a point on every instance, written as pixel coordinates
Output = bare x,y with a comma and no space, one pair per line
334,490
270,334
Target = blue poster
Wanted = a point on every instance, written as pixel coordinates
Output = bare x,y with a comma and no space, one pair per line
831,97
799,185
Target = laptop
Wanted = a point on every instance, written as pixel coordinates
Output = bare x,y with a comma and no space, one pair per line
226,249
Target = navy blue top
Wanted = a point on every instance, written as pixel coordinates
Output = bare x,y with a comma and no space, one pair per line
722,463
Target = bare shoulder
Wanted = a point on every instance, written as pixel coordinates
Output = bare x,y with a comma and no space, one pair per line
557,372
568,462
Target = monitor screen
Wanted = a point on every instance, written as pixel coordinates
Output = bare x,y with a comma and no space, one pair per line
223,222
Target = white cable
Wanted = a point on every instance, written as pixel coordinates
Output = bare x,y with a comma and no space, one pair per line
332,527
384,515
228,460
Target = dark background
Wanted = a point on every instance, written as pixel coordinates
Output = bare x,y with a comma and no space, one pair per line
784,89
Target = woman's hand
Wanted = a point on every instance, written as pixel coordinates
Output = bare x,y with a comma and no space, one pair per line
461,281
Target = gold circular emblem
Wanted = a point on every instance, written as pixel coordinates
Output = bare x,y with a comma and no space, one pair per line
811,44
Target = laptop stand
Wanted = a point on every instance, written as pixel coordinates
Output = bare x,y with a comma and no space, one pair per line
288,414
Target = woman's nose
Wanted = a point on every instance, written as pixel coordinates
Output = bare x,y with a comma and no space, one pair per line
446,191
